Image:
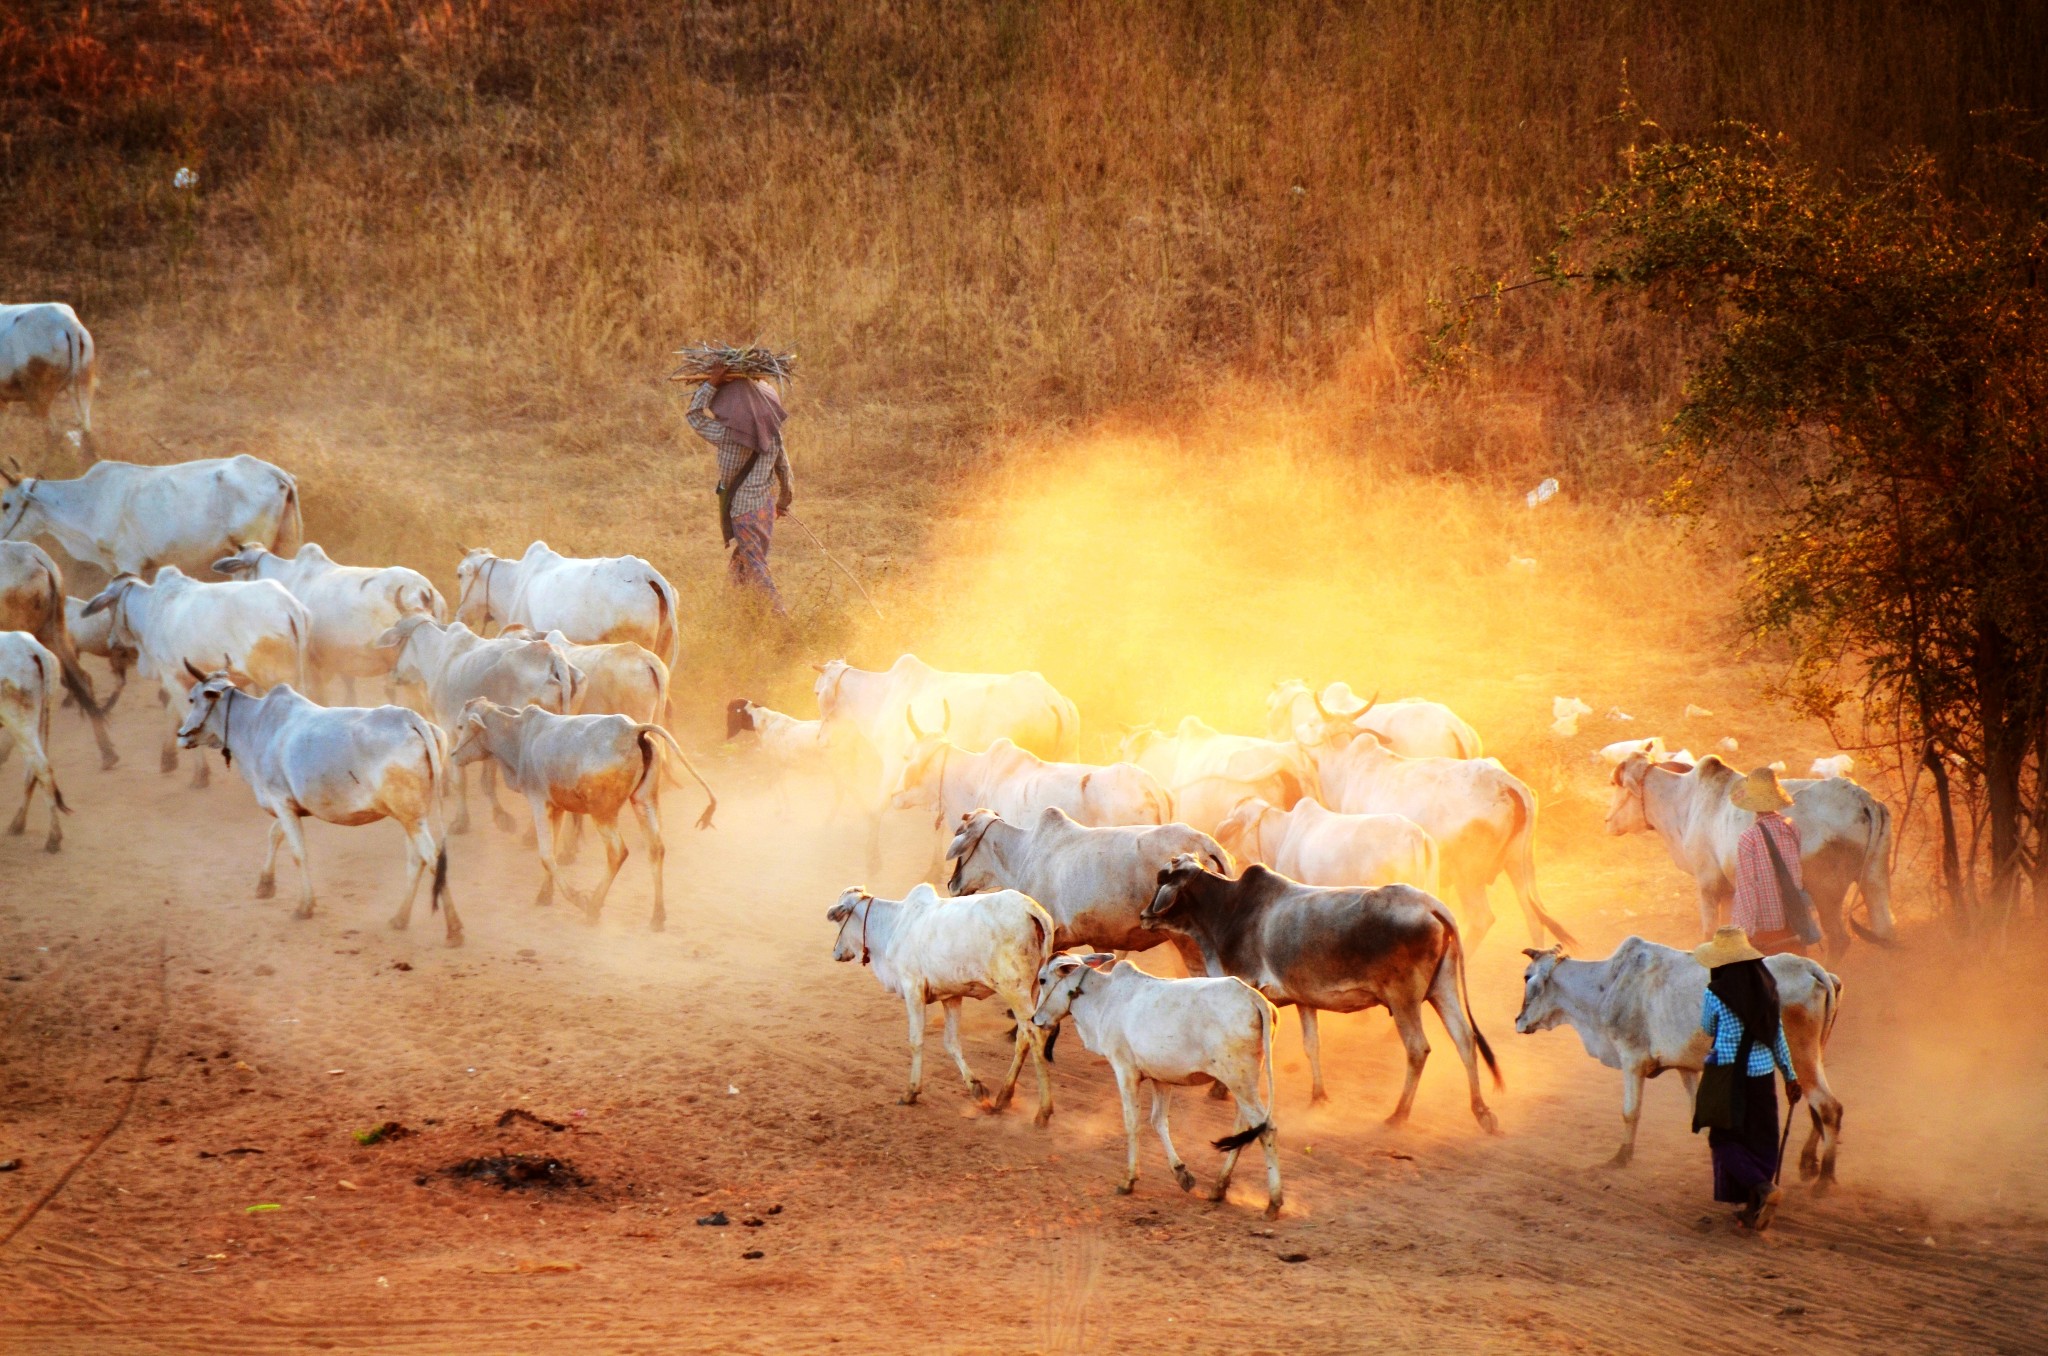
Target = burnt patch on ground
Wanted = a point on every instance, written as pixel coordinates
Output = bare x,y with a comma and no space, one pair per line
527,1171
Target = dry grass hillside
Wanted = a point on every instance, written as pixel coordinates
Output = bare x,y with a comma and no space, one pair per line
1107,312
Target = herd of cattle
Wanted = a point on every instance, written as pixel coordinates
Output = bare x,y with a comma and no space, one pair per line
1300,866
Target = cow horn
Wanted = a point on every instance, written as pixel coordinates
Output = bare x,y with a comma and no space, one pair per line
197,676
946,711
1321,710
1371,702
910,717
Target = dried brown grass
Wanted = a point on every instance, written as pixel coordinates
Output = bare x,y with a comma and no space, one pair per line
440,252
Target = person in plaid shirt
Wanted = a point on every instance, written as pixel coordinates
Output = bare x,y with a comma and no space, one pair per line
742,420
1759,907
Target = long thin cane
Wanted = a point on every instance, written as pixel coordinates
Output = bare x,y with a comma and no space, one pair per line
834,559
1783,1140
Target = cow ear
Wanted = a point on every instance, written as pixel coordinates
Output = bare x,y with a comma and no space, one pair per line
1533,954
1100,961
101,603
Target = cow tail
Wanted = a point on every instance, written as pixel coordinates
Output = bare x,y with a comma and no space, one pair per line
1875,880
671,650
1454,956
1522,848
648,732
437,774
1252,1132
291,524
1832,984
299,642
47,701
76,681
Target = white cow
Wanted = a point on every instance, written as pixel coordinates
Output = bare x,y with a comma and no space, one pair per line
1619,752
351,605
347,765
29,675
131,519
592,601
46,352
1482,816
455,666
94,635
1417,728
941,775
580,765
1209,773
1845,837
1093,882
868,711
621,678
795,748
1318,846
1639,1011
929,950
180,627
1171,1032
32,600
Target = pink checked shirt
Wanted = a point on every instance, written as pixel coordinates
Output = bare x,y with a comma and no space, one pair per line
1759,910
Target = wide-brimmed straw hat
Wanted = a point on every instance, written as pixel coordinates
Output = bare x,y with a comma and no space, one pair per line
1759,791
1730,944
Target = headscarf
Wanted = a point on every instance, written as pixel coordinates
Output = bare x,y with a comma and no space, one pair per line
752,411
1751,993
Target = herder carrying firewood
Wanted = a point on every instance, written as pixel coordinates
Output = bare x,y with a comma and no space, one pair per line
741,416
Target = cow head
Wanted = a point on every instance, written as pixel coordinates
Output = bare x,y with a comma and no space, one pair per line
474,600
973,870
1540,1008
17,502
830,675
924,763
1137,741
113,600
405,661
472,730
850,913
1061,982
1243,831
246,561
739,717
201,727
1178,881
1626,814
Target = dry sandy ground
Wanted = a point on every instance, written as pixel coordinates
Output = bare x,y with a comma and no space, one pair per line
728,1065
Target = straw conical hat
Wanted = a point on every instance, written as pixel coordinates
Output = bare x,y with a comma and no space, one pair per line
1759,791
1730,944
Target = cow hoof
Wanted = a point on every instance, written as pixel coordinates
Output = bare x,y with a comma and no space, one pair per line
1185,1178
400,923
455,939
1126,1188
1044,1115
1395,1121
18,827
1003,1099
53,843
168,763
504,821
1273,1208
977,1089
658,925
459,826
266,887
109,761
303,911
907,1099
1488,1122
1318,1097
1621,1158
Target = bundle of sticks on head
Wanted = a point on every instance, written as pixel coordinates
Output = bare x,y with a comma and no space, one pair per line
764,364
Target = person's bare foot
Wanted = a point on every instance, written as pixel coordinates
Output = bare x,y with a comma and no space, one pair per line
1766,1209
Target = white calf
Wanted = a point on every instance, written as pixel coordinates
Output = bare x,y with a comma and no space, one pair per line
580,765
1171,1032
926,949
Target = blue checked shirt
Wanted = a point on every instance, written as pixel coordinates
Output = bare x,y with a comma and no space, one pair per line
1726,1030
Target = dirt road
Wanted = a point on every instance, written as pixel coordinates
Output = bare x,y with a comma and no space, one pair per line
185,1052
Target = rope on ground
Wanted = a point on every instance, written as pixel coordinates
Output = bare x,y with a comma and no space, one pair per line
120,1116
835,560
